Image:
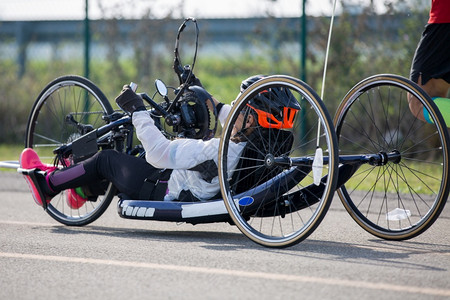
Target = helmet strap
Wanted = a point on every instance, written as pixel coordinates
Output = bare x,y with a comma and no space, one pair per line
242,133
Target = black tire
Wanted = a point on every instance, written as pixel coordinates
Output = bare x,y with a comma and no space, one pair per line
374,117
47,129
283,209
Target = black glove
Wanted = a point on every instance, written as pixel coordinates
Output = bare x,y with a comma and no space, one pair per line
196,81
193,79
129,101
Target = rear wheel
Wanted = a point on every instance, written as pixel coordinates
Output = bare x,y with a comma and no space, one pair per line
270,194
55,119
398,199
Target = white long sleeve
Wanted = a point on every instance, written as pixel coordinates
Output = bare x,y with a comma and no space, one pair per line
224,114
181,155
165,154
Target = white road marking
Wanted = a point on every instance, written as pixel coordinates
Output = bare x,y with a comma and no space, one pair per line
29,223
239,273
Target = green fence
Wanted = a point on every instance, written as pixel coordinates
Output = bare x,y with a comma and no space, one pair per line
33,52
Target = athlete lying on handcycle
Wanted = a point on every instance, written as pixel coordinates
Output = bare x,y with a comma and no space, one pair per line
181,169
276,169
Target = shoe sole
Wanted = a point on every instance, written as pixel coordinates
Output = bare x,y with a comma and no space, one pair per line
34,190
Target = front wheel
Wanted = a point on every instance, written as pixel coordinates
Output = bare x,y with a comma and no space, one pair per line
62,106
396,199
266,173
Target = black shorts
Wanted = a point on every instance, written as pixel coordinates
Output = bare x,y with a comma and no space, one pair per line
432,57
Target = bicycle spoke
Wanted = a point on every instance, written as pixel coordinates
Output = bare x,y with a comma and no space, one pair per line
375,118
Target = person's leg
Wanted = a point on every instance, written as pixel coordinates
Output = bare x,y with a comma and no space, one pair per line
126,172
438,90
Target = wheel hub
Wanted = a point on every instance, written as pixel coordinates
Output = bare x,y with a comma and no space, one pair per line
269,161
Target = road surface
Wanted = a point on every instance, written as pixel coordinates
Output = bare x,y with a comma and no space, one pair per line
115,258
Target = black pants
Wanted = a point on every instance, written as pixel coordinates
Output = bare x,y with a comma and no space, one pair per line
127,173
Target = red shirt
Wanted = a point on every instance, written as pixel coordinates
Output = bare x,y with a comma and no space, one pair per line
440,11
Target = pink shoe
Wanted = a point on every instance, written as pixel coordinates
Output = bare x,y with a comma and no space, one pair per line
30,160
74,200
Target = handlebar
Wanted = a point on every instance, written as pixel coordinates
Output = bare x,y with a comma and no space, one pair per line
187,113
153,104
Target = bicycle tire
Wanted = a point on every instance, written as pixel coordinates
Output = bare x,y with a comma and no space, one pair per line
47,129
403,198
290,214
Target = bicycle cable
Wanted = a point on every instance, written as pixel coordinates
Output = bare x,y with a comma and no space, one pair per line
317,165
177,66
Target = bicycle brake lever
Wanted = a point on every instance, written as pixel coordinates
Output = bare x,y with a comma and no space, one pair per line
133,86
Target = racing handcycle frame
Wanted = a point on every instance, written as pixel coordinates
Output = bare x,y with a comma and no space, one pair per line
389,169
289,195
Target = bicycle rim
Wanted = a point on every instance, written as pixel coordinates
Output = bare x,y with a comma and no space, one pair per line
400,199
49,127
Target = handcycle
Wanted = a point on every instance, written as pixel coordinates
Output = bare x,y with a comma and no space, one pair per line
389,169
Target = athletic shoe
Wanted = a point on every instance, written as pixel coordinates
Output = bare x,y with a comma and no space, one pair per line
30,160
74,199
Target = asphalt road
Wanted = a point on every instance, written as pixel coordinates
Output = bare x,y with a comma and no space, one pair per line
114,258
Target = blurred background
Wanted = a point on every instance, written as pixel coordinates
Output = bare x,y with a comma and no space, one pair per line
115,42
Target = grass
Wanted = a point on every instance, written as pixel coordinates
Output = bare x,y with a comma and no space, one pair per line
10,152
421,177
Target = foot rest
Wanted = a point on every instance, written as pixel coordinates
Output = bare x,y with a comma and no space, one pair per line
31,173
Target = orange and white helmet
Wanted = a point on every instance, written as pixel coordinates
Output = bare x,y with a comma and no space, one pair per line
274,107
